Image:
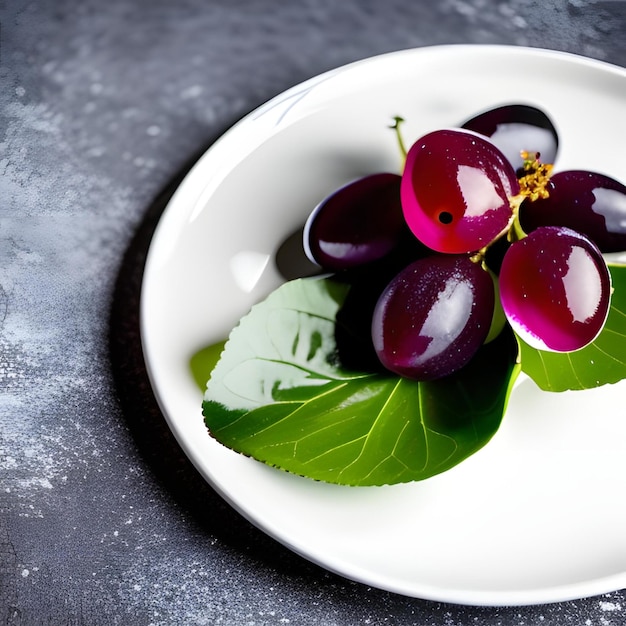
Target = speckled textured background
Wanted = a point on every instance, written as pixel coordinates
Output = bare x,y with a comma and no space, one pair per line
104,105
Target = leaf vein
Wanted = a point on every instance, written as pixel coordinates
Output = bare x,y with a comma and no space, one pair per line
380,413
320,375
608,354
300,407
574,372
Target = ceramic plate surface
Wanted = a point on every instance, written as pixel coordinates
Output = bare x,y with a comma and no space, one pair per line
539,514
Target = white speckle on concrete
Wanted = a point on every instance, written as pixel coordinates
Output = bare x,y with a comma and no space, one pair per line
191,92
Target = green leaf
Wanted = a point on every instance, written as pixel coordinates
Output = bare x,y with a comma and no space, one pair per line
203,362
600,363
280,395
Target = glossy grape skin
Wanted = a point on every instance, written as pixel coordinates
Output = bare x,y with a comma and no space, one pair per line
359,223
555,289
456,189
433,317
516,127
588,202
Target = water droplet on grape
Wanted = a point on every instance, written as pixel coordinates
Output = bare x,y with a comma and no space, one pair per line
555,289
433,317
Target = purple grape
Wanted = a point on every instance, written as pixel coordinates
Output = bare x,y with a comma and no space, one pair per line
516,127
359,223
456,190
555,289
433,317
590,203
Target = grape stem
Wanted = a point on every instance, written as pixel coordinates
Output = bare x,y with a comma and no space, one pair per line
397,121
513,229
533,186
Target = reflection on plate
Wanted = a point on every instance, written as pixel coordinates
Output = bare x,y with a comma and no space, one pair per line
538,515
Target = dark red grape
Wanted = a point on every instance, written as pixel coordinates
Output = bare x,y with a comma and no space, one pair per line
592,204
516,127
433,317
359,223
456,190
555,289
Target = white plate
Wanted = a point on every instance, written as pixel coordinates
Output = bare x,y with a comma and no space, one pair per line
539,514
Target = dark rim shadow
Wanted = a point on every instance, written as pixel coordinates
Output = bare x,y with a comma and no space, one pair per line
155,442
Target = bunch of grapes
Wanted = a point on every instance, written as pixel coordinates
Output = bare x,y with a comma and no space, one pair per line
471,235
